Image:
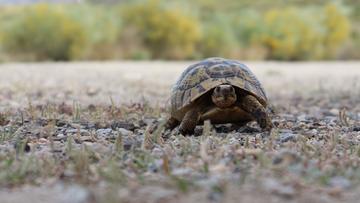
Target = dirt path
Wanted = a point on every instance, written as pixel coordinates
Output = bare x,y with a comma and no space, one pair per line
131,81
312,156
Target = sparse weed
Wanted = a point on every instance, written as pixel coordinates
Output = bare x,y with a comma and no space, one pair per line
7,134
45,143
77,111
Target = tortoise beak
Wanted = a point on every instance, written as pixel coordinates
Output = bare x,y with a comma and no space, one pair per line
224,96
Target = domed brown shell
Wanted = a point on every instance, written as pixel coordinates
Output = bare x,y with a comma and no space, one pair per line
203,76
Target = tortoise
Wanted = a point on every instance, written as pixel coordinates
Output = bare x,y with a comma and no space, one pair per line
220,90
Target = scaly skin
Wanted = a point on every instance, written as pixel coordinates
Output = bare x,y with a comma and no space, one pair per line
251,105
189,122
171,123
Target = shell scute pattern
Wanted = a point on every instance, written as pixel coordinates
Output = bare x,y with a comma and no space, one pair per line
221,71
201,77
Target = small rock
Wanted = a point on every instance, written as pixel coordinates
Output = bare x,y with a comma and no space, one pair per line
91,91
75,131
60,137
157,152
198,131
285,131
89,125
76,194
123,124
42,121
103,132
209,182
182,171
248,129
43,141
286,157
302,118
215,195
124,131
356,128
233,141
276,187
219,169
100,125
60,123
155,166
330,118
313,132
285,137
340,182
128,143
225,128
334,112
154,194
86,138
147,122
288,117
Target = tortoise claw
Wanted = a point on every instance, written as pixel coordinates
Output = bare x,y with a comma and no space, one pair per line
186,132
265,123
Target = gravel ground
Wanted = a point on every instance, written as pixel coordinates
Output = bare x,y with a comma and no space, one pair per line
82,132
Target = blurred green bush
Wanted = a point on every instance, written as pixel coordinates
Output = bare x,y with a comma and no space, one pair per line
165,32
159,29
248,26
337,29
102,26
291,34
298,34
41,32
217,38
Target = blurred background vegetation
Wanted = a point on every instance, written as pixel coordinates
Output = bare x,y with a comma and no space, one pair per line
180,30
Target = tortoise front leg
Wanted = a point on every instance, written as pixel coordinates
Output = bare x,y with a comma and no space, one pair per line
171,123
251,105
189,122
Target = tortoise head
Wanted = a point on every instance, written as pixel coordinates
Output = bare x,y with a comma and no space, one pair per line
224,96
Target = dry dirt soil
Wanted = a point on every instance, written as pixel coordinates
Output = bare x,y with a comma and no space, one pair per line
84,132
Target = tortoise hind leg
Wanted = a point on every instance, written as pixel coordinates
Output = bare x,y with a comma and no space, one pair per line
251,105
189,122
171,123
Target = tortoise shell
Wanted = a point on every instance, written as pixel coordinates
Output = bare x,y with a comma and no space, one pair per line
205,75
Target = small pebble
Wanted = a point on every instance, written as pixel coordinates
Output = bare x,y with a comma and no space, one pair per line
103,132
128,143
75,131
278,188
356,128
124,131
123,124
340,182
43,141
60,137
285,137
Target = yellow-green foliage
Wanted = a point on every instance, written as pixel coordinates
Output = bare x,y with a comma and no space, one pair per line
337,27
217,38
290,34
160,29
102,27
6,17
166,32
295,34
247,25
43,32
